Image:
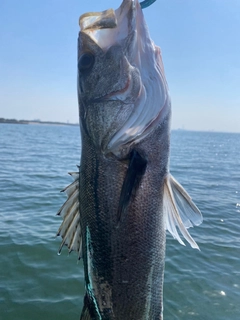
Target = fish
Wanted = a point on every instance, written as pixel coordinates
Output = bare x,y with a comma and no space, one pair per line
123,197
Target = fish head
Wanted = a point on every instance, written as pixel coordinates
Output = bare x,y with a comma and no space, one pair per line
103,70
122,89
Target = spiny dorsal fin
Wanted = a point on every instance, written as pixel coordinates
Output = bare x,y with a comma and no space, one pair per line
70,229
179,210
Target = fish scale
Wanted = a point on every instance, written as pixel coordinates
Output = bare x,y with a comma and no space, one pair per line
127,198
128,257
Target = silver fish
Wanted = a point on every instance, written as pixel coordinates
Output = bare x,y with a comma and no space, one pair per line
123,199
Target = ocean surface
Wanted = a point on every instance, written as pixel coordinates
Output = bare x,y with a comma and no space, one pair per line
36,283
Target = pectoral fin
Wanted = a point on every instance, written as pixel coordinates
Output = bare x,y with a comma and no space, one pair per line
179,211
70,229
136,169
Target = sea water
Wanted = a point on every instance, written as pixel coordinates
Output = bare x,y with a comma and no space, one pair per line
36,283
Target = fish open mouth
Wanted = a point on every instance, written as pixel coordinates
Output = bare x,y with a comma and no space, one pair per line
110,27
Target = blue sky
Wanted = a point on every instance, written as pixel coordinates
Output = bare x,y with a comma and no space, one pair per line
200,46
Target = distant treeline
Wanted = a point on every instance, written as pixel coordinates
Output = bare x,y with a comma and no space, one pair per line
14,121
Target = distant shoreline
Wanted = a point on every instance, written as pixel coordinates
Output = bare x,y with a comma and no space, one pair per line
14,121
57,123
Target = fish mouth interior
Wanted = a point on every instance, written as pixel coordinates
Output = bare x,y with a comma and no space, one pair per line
110,27
98,20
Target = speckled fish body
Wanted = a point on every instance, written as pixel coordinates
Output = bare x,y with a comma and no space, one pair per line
123,253
126,195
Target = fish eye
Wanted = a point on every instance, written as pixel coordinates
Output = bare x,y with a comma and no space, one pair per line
86,61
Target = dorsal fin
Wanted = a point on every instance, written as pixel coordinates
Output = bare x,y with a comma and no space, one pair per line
179,211
70,229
